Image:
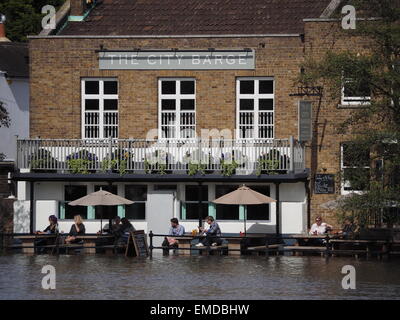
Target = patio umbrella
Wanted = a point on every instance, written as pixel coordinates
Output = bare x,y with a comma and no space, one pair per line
335,204
244,196
100,198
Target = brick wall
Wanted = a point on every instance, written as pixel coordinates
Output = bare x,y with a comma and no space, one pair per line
57,65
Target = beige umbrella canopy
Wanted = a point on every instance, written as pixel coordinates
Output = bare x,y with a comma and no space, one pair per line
244,196
100,198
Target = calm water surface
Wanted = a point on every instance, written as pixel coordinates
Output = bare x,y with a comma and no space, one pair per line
196,277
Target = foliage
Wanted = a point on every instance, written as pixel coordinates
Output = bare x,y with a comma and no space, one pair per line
81,161
42,159
228,168
24,17
373,128
194,168
5,120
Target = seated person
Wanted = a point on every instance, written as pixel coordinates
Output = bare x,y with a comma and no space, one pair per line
122,234
115,226
349,229
319,228
52,228
77,229
175,230
212,235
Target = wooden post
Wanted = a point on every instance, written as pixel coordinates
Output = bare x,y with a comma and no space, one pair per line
200,211
277,211
32,204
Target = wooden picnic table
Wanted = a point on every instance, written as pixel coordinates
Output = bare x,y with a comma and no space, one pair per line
89,241
234,243
28,241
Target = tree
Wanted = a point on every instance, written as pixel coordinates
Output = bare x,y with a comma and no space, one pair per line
24,17
375,126
4,121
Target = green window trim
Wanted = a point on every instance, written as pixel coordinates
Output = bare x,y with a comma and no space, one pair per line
91,213
121,211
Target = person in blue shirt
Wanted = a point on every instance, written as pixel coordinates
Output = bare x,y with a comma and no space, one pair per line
213,234
176,230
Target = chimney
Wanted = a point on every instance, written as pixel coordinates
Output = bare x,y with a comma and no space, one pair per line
3,37
78,7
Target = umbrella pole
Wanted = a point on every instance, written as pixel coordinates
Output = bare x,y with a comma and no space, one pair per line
245,218
101,219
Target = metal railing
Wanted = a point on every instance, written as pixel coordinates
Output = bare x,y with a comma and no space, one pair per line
162,156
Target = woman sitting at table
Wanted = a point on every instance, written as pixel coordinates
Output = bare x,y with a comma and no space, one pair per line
52,228
77,229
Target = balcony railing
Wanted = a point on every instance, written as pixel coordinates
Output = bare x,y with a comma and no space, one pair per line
159,156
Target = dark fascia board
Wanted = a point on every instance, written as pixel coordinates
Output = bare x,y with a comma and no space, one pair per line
115,177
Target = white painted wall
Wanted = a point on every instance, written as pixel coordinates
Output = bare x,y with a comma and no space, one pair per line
47,195
15,95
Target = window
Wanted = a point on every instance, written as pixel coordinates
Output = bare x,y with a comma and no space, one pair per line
355,93
255,108
261,211
355,165
225,211
72,193
99,108
138,194
177,108
106,212
190,207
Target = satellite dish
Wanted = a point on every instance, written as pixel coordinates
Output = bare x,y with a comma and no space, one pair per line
2,18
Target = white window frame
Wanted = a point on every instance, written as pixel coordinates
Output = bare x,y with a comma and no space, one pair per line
177,97
256,96
344,183
353,101
101,97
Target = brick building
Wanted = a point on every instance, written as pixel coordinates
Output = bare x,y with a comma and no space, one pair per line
123,93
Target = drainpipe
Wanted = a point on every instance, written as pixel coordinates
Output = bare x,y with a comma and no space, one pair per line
277,211
32,203
200,208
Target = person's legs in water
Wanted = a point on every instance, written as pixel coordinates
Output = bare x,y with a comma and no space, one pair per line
165,246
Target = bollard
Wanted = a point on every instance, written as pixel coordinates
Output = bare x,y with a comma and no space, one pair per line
151,243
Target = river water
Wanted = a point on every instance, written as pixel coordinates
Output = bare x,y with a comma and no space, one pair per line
196,277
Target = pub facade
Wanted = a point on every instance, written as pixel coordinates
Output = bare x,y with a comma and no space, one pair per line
173,104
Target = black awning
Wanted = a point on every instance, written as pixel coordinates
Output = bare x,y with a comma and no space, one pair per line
115,177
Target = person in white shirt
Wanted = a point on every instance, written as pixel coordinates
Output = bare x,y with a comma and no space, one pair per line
319,227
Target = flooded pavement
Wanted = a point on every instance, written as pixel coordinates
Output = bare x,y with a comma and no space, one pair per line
196,277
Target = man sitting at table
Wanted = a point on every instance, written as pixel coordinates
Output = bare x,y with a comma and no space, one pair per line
213,234
349,229
175,230
115,226
320,228
122,234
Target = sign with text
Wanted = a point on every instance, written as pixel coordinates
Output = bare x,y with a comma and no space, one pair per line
177,60
324,183
305,121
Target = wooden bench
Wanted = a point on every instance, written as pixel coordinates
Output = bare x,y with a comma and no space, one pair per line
212,250
264,249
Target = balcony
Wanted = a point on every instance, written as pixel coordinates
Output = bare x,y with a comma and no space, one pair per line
130,156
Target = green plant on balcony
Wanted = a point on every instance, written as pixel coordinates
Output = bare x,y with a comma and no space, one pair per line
157,162
271,163
228,167
117,163
81,161
194,168
43,160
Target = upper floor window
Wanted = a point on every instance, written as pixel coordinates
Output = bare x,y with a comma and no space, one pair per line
255,108
177,108
355,93
355,166
99,108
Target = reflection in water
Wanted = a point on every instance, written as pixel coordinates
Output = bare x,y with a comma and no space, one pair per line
196,277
